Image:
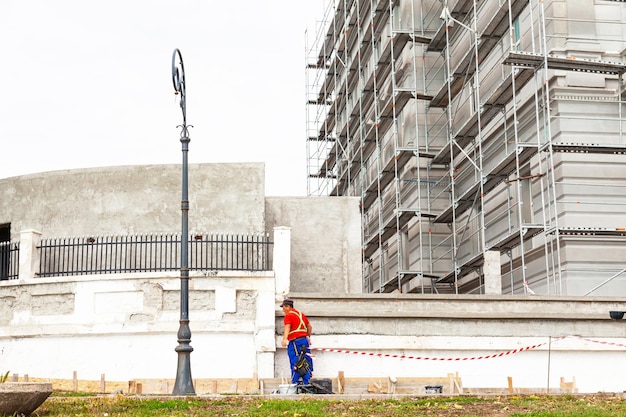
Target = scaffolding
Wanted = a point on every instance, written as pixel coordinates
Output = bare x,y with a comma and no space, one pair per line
475,130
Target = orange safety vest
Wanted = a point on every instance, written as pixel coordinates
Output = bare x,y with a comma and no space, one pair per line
301,326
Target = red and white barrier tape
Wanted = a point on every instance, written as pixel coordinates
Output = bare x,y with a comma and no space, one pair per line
426,358
600,342
473,358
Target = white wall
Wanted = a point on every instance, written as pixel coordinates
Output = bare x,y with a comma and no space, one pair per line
536,340
125,326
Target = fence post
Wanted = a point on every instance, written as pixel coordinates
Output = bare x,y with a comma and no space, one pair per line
282,260
29,255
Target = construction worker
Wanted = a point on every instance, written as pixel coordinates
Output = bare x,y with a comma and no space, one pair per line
296,337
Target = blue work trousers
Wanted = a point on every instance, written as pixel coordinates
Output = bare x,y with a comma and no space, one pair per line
299,345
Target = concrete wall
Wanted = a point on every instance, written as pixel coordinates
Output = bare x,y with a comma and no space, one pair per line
224,198
325,241
535,340
124,326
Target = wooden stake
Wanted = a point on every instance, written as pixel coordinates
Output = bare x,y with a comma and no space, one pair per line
75,381
340,382
510,381
391,386
457,383
102,384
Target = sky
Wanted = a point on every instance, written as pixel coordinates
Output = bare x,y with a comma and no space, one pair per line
88,83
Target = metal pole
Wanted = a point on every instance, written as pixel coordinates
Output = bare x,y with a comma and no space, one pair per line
184,383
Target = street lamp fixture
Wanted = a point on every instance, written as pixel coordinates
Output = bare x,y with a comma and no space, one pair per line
184,383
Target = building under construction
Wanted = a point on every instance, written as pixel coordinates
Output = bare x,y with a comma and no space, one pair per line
480,136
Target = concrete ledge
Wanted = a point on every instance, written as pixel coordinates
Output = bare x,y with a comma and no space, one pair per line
22,398
466,306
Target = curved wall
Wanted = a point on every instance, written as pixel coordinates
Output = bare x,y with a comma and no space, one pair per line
224,198
325,250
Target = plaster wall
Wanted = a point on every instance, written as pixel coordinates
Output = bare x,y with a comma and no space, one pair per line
125,326
533,339
325,241
223,198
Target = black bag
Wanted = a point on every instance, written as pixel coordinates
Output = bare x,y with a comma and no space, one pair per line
302,366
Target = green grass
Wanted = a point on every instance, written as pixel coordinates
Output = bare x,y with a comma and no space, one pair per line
333,406
71,394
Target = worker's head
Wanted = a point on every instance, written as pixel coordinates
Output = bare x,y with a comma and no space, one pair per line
287,304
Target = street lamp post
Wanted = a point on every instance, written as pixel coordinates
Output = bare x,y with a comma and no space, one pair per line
184,383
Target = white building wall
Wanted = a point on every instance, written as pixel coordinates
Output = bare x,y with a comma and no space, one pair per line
124,326
485,339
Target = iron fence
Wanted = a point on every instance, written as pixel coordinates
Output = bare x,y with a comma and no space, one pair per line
152,253
9,260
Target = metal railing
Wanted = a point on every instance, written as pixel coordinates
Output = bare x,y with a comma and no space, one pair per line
152,253
9,260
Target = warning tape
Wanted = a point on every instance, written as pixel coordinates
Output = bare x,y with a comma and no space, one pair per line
600,341
427,358
472,358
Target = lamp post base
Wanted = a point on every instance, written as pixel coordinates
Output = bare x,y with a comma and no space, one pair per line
184,383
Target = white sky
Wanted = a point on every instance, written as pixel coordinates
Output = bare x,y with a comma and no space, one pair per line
87,83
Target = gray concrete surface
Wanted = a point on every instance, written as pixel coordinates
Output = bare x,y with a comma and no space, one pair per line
325,241
22,398
224,198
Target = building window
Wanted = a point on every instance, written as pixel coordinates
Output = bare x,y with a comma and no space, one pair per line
5,250
516,36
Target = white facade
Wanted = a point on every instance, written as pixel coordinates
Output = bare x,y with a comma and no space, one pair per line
124,326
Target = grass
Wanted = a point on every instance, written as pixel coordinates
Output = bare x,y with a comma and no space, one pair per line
318,406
